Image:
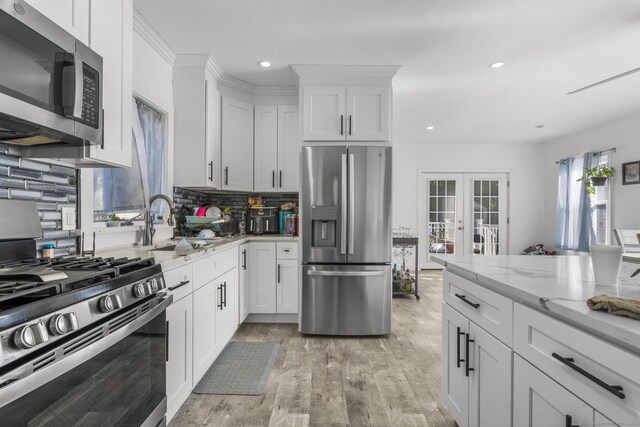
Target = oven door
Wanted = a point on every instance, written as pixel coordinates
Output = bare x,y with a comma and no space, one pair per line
50,83
112,374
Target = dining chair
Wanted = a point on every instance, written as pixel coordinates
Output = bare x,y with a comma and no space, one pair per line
628,239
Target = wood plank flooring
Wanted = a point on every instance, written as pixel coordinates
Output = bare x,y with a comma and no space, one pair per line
316,381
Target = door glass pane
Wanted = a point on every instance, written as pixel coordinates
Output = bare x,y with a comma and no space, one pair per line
486,216
441,227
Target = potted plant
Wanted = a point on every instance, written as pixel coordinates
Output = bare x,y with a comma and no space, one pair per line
114,221
596,177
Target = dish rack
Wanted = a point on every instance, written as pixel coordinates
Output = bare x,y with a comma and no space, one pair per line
222,229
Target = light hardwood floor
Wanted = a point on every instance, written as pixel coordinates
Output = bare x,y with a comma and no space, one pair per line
387,381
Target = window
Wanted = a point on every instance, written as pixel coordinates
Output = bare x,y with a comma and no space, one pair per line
582,218
126,191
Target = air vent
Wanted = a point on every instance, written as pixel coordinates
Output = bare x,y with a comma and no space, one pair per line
83,342
122,321
145,307
44,361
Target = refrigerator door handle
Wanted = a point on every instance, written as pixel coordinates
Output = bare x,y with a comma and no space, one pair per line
367,273
352,215
343,208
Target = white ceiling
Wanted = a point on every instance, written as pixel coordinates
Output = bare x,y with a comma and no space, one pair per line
444,47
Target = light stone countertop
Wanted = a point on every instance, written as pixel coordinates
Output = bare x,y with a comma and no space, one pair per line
170,259
556,285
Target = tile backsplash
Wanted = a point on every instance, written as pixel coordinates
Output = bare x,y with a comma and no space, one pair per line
52,187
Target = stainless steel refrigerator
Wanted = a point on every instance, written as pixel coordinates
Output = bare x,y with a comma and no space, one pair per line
345,201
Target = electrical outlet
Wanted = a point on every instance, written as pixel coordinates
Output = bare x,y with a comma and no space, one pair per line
68,219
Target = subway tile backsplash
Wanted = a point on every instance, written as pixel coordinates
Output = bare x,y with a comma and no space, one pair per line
50,186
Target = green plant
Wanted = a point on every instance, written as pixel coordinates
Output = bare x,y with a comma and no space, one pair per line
114,217
600,171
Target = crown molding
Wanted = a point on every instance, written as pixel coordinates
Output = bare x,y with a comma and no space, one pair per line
214,68
152,37
299,71
276,90
237,84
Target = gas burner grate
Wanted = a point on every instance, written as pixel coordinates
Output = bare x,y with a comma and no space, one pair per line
11,290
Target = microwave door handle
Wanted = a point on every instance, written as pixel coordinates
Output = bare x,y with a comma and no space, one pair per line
352,207
343,208
74,109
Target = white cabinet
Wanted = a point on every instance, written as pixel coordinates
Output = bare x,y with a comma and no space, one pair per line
179,357
204,329
71,15
197,157
243,282
262,277
346,113
226,307
476,373
287,286
237,145
277,148
538,401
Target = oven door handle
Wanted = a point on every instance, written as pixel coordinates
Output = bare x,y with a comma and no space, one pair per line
12,386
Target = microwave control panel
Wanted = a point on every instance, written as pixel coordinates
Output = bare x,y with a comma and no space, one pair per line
90,97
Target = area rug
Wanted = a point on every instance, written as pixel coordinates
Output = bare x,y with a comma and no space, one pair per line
242,368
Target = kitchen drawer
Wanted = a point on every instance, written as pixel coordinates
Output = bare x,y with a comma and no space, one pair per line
210,267
181,279
489,310
538,337
287,250
225,261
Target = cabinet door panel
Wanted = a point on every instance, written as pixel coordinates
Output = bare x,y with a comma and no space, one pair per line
538,401
179,361
237,145
455,383
71,15
204,329
287,286
324,114
266,148
243,283
289,143
490,380
262,277
226,308
368,113
213,150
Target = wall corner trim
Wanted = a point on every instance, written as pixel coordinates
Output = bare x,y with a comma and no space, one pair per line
149,34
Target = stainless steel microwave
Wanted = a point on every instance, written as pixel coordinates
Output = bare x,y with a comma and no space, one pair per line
50,83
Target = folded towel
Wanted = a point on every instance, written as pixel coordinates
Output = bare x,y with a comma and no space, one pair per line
616,306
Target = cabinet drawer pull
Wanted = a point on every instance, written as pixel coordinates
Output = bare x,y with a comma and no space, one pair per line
568,421
613,389
224,287
341,124
280,178
273,179
458,360
226,175
220,297
179,285
166,352
350,124
464,298
278,273
210,171
244,259
467,369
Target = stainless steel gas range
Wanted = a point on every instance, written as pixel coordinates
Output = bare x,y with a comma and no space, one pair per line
82,340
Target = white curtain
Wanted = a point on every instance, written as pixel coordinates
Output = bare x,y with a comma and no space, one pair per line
129,189
574,227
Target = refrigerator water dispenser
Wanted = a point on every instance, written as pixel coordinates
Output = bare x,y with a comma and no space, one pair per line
323,226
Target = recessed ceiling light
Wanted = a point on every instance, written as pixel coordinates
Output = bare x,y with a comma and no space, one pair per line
265,64
430,128
497,64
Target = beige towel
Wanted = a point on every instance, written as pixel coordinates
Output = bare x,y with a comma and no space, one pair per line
616,306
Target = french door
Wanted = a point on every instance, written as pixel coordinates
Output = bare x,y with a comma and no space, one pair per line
462,214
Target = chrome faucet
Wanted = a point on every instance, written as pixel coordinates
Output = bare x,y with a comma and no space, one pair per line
149,229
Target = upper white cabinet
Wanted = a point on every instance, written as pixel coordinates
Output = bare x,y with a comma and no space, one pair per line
277,148
71,15
111,37
237,145
197,154
346,113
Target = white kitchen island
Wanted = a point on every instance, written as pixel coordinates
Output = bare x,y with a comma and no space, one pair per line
521,347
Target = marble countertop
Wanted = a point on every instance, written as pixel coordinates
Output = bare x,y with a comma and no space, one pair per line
170,259
556,285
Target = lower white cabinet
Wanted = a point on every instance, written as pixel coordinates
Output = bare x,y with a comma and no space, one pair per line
179,348
243,282
476,367
262,277
204,328
287,286
538,401
226,307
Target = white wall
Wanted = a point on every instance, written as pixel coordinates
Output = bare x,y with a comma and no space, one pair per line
624,134
521,161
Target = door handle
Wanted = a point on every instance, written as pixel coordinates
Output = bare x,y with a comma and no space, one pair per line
278,274
224,287
244,259
280,181
467,369
460,228
350,124
226,175
458,360
210,171
179,285
166,352
616,390
352,205
72,103
220,297
343,208
273,179
366,273
464,299
341,124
